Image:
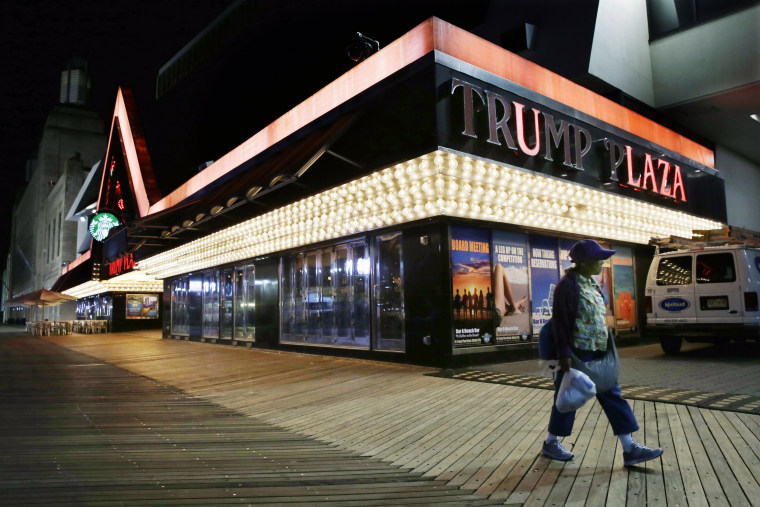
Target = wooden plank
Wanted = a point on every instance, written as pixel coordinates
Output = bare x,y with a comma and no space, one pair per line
422,459
752,422
705,471
677,464
600,482
583,479
586,420
636,493
750,439
105,435
485,437
524,399
715,454
654,474
511,443
618,488
740,459
394,441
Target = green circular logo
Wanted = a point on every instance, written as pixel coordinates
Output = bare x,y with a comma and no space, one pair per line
101,225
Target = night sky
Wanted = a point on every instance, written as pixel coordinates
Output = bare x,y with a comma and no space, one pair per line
125,44
292,50
283,52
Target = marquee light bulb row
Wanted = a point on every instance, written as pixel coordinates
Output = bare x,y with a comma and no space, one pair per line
94,287
436,184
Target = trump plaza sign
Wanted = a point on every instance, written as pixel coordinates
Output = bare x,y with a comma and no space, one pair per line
506,127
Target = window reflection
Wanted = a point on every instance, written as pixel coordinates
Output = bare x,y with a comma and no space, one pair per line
180,317
674,271
389,294
210,326
325,296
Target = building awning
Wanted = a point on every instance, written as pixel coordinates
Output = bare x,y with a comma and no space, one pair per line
41,297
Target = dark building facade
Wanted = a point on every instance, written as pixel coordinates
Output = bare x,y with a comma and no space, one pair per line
420,208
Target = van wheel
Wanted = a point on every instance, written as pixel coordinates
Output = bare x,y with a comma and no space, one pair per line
671,344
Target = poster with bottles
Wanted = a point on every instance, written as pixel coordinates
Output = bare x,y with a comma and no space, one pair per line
510,305
544,275
603,279
624,293
471,275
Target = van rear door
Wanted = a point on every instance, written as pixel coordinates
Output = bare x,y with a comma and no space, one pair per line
673,295
717,288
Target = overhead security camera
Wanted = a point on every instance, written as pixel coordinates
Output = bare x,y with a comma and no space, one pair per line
361,48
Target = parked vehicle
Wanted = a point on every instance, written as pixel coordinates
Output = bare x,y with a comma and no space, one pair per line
703,291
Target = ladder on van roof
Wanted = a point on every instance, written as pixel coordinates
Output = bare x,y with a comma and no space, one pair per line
726,236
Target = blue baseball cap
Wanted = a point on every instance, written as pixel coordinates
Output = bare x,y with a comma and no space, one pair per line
589,249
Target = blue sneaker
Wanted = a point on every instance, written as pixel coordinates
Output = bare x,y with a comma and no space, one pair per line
639,454
555,450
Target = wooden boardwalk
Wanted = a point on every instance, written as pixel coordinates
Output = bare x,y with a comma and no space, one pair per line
77,431
482,438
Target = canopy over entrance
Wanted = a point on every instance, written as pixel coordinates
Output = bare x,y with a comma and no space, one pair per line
41,297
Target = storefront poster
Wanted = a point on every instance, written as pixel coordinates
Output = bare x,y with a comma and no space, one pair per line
142,306
544,275
624,289
603,278
471,275
511,310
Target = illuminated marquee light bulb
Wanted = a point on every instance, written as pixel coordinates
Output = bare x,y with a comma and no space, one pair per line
371,197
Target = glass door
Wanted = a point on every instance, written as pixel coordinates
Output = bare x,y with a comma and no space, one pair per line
360,293
180,320
226,302
327,306
245,279
389,294
293,310
313,300
210,323
342,300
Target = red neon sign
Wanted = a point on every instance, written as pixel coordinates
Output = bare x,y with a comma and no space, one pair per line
121,265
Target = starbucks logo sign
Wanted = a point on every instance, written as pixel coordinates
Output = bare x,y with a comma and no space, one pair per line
101,225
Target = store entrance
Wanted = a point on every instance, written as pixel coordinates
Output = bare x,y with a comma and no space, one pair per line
389,294
325,296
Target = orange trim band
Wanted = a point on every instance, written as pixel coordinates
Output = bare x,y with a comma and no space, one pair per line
76,262
471,49
432,34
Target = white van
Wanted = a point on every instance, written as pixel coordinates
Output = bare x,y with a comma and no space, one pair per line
705,294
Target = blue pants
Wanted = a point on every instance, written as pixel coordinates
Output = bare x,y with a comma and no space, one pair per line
618,410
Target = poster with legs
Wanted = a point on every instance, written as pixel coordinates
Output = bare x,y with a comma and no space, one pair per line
511,308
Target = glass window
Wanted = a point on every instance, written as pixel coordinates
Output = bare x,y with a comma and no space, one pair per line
674,270
327,314
210,304
389,294
180,317
287,312
313,301
293,319
226,302
245,279
716,268
360,279
342,302
299,295
325,296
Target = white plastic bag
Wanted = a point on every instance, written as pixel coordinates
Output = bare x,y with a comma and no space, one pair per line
575,390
